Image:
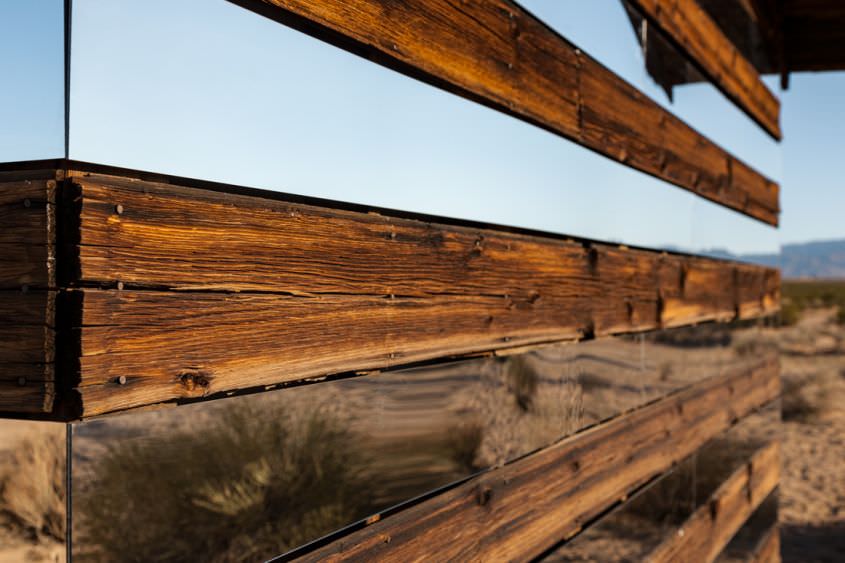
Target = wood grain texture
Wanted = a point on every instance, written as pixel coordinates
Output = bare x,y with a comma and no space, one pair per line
498,54
706,533
27,233
692,30
768,549
225,292
27,296
517,511
27,351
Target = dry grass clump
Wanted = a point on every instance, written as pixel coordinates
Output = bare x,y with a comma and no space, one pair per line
249,484
806,399
32,488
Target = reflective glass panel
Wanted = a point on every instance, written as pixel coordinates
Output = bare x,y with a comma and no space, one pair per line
32,98
251,477
748,542
33,478
635,529
245,100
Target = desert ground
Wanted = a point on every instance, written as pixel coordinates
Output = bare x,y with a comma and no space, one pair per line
412,431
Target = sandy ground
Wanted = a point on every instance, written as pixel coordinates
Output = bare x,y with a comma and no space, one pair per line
812,493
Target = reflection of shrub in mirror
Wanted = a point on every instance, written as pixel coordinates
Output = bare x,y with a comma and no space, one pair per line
257,483
522,381
463,443
32,491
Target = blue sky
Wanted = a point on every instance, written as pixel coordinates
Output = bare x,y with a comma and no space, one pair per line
223,94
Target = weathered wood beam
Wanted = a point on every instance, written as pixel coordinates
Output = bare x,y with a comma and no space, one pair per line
692,30
498,54
221,292
768,549
27,291
706,533
518,511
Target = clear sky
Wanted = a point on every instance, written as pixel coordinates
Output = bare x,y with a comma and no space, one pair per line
223,94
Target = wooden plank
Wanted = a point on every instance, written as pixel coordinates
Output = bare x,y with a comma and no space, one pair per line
692,30
768,550
27,225
500,55
27,297
27,345
307,291
518,511
640,133
706,533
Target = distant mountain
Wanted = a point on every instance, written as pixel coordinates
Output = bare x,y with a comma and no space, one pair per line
818,259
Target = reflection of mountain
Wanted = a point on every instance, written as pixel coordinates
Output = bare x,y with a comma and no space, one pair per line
818,259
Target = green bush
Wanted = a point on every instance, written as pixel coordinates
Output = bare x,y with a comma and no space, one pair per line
245,486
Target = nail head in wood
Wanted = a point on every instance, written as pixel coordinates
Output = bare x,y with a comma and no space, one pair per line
21,382
121,380
118,209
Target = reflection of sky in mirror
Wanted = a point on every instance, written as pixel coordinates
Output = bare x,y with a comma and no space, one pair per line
242,99
32,69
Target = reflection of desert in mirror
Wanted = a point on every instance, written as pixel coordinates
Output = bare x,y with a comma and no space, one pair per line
33,482
255,476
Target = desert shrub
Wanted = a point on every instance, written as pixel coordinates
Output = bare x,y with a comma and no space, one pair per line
245,486
804,399
790,312
753,345
32,487
522,381
840,315
463,443
704,335
814,293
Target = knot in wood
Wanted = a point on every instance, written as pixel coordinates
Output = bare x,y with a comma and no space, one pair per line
485,493
192,380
